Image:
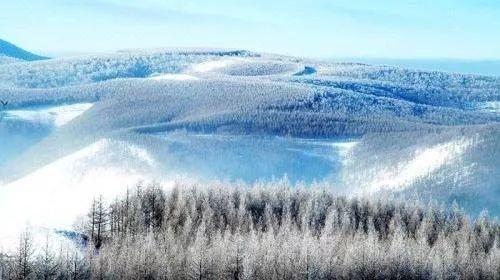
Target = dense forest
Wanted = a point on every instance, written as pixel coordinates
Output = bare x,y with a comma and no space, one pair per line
268,231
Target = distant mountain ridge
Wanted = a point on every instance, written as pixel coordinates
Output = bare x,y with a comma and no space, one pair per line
13,51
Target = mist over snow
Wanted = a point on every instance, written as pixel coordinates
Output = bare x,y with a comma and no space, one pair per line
78,127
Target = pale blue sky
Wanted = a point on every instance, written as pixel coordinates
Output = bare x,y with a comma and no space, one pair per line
465,29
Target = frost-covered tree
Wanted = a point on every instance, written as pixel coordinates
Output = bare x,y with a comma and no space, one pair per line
47,263
273,232
25,263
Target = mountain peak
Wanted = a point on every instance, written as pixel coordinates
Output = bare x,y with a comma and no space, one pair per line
13,51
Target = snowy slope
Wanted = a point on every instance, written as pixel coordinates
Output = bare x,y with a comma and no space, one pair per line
76,127
21,128
451,165
12,51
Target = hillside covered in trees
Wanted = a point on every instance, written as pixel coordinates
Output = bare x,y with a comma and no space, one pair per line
157,114
268,231
75,128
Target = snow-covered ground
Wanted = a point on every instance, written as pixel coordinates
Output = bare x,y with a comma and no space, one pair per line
174,77
51,116
22,128
79,127
490,106
251,158
56,194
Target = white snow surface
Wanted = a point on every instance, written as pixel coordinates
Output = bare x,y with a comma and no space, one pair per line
54,115
55,195
78,127
421,164
173,77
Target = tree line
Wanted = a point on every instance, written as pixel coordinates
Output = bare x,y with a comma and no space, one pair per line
268,231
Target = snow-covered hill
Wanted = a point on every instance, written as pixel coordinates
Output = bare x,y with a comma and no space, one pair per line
76,127
10,52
